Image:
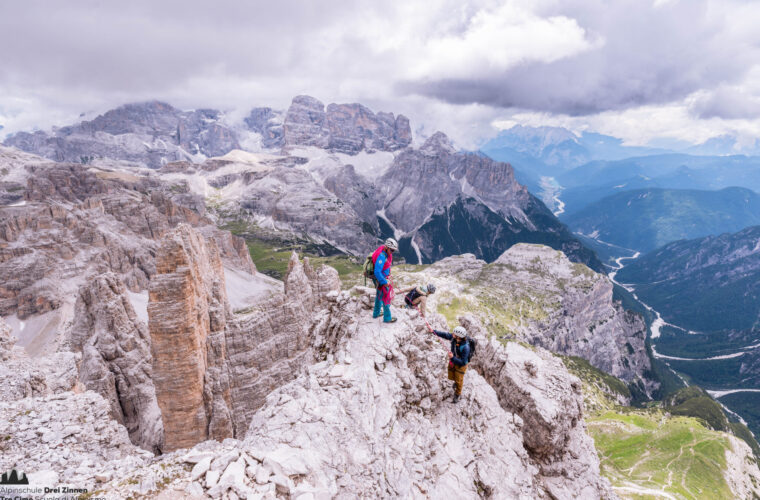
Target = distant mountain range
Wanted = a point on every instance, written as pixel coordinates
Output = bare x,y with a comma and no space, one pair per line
554,149
150,134
587,167
340,177
596,180
644,219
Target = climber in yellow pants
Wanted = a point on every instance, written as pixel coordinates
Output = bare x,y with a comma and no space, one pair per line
459,357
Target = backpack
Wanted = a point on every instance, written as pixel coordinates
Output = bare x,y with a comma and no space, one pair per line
369,267
412,296
473,345
369,271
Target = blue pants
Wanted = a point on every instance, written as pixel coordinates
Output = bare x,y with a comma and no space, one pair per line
386,308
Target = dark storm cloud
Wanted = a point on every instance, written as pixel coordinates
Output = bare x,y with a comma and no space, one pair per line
646,55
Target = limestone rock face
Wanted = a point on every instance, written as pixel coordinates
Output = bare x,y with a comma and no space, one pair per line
222,367
305,123
76,223
324,281
266,348
290,200
354,128
449,203
421,180
7,341
116,358
357,192
589,324
309,286
385,421
268,123
149,134
536,385
744,475
270,345
68,439
188,313
232,248
549,403
563,307
345,128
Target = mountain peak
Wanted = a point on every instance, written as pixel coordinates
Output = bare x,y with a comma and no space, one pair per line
308,102
438,143
344,128
554,135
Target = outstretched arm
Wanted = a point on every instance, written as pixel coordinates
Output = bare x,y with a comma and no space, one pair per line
443,335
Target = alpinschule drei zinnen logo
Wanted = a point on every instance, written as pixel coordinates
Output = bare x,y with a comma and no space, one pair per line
14,477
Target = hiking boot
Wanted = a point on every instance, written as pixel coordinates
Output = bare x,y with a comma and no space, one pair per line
454,386
456,398
392,320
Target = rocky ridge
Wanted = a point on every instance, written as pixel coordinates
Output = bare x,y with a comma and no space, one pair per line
341,177
76,222
344,128
435,200
252,374
116,359
535,294
149,134
384,425
221,363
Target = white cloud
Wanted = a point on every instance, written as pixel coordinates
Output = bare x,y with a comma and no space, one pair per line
682,69
497,39
640,126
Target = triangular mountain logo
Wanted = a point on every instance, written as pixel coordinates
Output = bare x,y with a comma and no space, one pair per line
14,477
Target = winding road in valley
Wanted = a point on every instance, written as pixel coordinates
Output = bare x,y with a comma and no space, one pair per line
659,323
551,190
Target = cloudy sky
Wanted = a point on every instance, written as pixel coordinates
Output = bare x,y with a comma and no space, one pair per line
637,69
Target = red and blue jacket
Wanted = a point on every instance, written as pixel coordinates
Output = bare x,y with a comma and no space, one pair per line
382,261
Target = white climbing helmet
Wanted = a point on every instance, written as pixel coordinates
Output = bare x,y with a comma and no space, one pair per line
391,244
460,332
